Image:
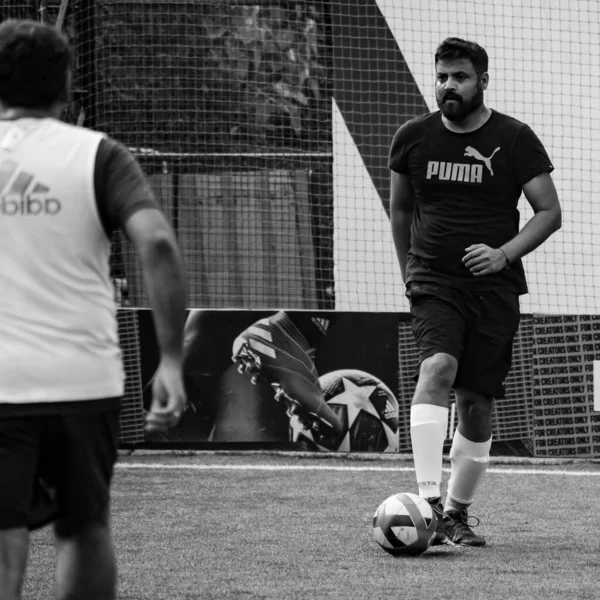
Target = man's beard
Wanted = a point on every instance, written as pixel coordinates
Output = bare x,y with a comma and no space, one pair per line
460,109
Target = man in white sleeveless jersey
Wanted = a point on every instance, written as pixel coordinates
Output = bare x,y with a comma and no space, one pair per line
63,190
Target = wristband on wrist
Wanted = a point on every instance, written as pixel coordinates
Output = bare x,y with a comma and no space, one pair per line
505,257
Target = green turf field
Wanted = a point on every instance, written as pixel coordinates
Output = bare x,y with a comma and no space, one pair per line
229,526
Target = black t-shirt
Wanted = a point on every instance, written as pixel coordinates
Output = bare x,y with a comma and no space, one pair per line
120,185
467,187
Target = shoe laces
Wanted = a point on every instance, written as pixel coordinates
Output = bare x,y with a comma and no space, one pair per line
436,506
464,518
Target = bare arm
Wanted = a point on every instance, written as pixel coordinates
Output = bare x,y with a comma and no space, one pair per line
163,272
543,199
402,204
164,276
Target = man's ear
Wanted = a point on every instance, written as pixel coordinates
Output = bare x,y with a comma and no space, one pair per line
484,79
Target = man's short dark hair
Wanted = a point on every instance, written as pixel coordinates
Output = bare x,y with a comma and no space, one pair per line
454,48
35,60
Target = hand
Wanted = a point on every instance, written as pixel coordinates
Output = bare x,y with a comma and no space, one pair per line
168,397
483,260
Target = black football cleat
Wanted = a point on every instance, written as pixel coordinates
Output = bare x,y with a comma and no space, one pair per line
458,530
272,350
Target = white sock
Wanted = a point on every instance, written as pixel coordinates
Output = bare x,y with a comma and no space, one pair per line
428,426
470,461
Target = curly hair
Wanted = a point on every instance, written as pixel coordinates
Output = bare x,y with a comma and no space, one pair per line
35,62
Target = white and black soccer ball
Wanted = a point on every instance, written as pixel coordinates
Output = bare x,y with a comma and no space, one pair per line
404,524
367,408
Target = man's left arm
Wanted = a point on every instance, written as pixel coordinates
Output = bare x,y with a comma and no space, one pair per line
543,199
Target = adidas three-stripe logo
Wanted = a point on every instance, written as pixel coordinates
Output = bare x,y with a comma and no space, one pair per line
322,324
24,197
390,411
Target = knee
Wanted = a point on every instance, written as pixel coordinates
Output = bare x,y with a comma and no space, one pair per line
438,371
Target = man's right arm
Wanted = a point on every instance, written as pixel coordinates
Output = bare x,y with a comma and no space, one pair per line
164,277
125,201
163,271
402,204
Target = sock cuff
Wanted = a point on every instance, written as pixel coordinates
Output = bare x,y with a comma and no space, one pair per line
472,449
428,413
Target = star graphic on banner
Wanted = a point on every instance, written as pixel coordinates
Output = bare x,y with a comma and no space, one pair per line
356,398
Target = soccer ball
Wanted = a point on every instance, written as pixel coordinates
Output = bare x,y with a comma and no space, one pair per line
367,408
404,524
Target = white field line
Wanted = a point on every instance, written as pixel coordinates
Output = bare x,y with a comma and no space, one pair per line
321,467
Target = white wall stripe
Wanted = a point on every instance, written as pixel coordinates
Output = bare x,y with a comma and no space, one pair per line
321,467
364,256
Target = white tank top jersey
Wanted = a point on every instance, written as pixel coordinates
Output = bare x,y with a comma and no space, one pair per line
58,328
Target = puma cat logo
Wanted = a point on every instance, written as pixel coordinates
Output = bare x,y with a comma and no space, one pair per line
474,153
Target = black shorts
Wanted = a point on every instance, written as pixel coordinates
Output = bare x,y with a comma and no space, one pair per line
476,327
57,468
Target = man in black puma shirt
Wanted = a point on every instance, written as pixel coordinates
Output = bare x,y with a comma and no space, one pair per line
456,177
